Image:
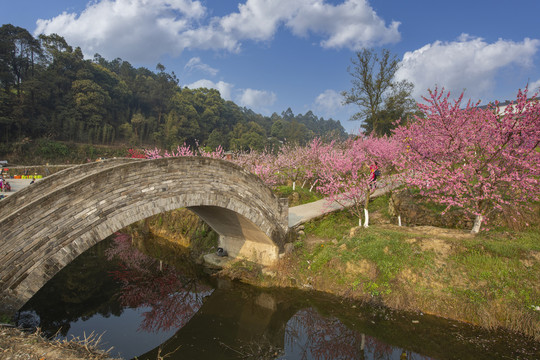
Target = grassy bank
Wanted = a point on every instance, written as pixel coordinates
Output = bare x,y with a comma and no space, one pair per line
489,279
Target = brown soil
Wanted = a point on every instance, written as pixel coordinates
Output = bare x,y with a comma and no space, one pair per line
414,290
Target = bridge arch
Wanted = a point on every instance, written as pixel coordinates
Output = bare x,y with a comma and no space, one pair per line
43,231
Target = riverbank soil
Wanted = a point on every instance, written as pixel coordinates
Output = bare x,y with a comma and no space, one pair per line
489,280
24,345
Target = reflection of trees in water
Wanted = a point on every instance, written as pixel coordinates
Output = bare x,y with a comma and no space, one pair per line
318,337
171,297
322,338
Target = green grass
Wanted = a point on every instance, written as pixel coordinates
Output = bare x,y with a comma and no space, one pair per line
380,205
335,225
490,279
6,319
389,252
298,196
502,268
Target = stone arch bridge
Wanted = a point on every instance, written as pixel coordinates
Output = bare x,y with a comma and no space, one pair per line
45,226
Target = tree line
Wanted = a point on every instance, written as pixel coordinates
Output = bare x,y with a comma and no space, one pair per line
48,90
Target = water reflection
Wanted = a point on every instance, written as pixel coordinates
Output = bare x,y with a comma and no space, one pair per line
145,307
311,336
114,288
171,297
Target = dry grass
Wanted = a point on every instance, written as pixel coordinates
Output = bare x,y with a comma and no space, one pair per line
24,345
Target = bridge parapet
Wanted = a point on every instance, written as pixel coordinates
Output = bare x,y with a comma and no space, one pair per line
56,181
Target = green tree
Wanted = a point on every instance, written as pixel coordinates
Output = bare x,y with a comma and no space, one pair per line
372,76
250,136
280,129
19,52
298,133
217,138
399,104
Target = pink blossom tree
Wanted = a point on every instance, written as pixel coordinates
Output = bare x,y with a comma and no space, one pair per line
480,160
290,162
345,176
184,150
312,160
218,153
261,163
343,171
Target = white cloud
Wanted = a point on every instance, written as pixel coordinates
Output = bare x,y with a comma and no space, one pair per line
468,63
139,30
195,63
534,87
257,100
225,89
145,30
329,102
352,24
257,19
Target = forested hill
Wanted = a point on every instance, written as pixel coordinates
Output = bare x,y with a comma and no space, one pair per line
49,90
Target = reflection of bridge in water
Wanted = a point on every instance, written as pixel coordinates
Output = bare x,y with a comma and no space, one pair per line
242,322
46,225
245,319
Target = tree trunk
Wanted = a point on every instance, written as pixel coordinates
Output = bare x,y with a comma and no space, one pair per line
366,218
293,185
399,220
366,203
311,188
477,224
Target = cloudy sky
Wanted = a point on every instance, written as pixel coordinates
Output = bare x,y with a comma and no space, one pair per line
269,55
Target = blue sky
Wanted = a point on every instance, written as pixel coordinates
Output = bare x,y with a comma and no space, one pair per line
269,55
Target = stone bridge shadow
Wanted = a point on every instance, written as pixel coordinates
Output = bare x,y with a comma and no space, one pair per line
47,225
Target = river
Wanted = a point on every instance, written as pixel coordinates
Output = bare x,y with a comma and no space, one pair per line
146,307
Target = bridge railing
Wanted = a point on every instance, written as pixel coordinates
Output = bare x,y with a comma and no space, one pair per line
54,182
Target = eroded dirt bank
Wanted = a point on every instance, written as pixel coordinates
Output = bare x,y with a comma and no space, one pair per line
443,272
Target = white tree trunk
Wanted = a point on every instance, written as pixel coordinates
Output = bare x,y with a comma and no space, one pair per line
399,220
477,224
293,185
366,218
304,183
311,188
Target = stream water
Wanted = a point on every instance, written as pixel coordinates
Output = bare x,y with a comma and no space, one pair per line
147,306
